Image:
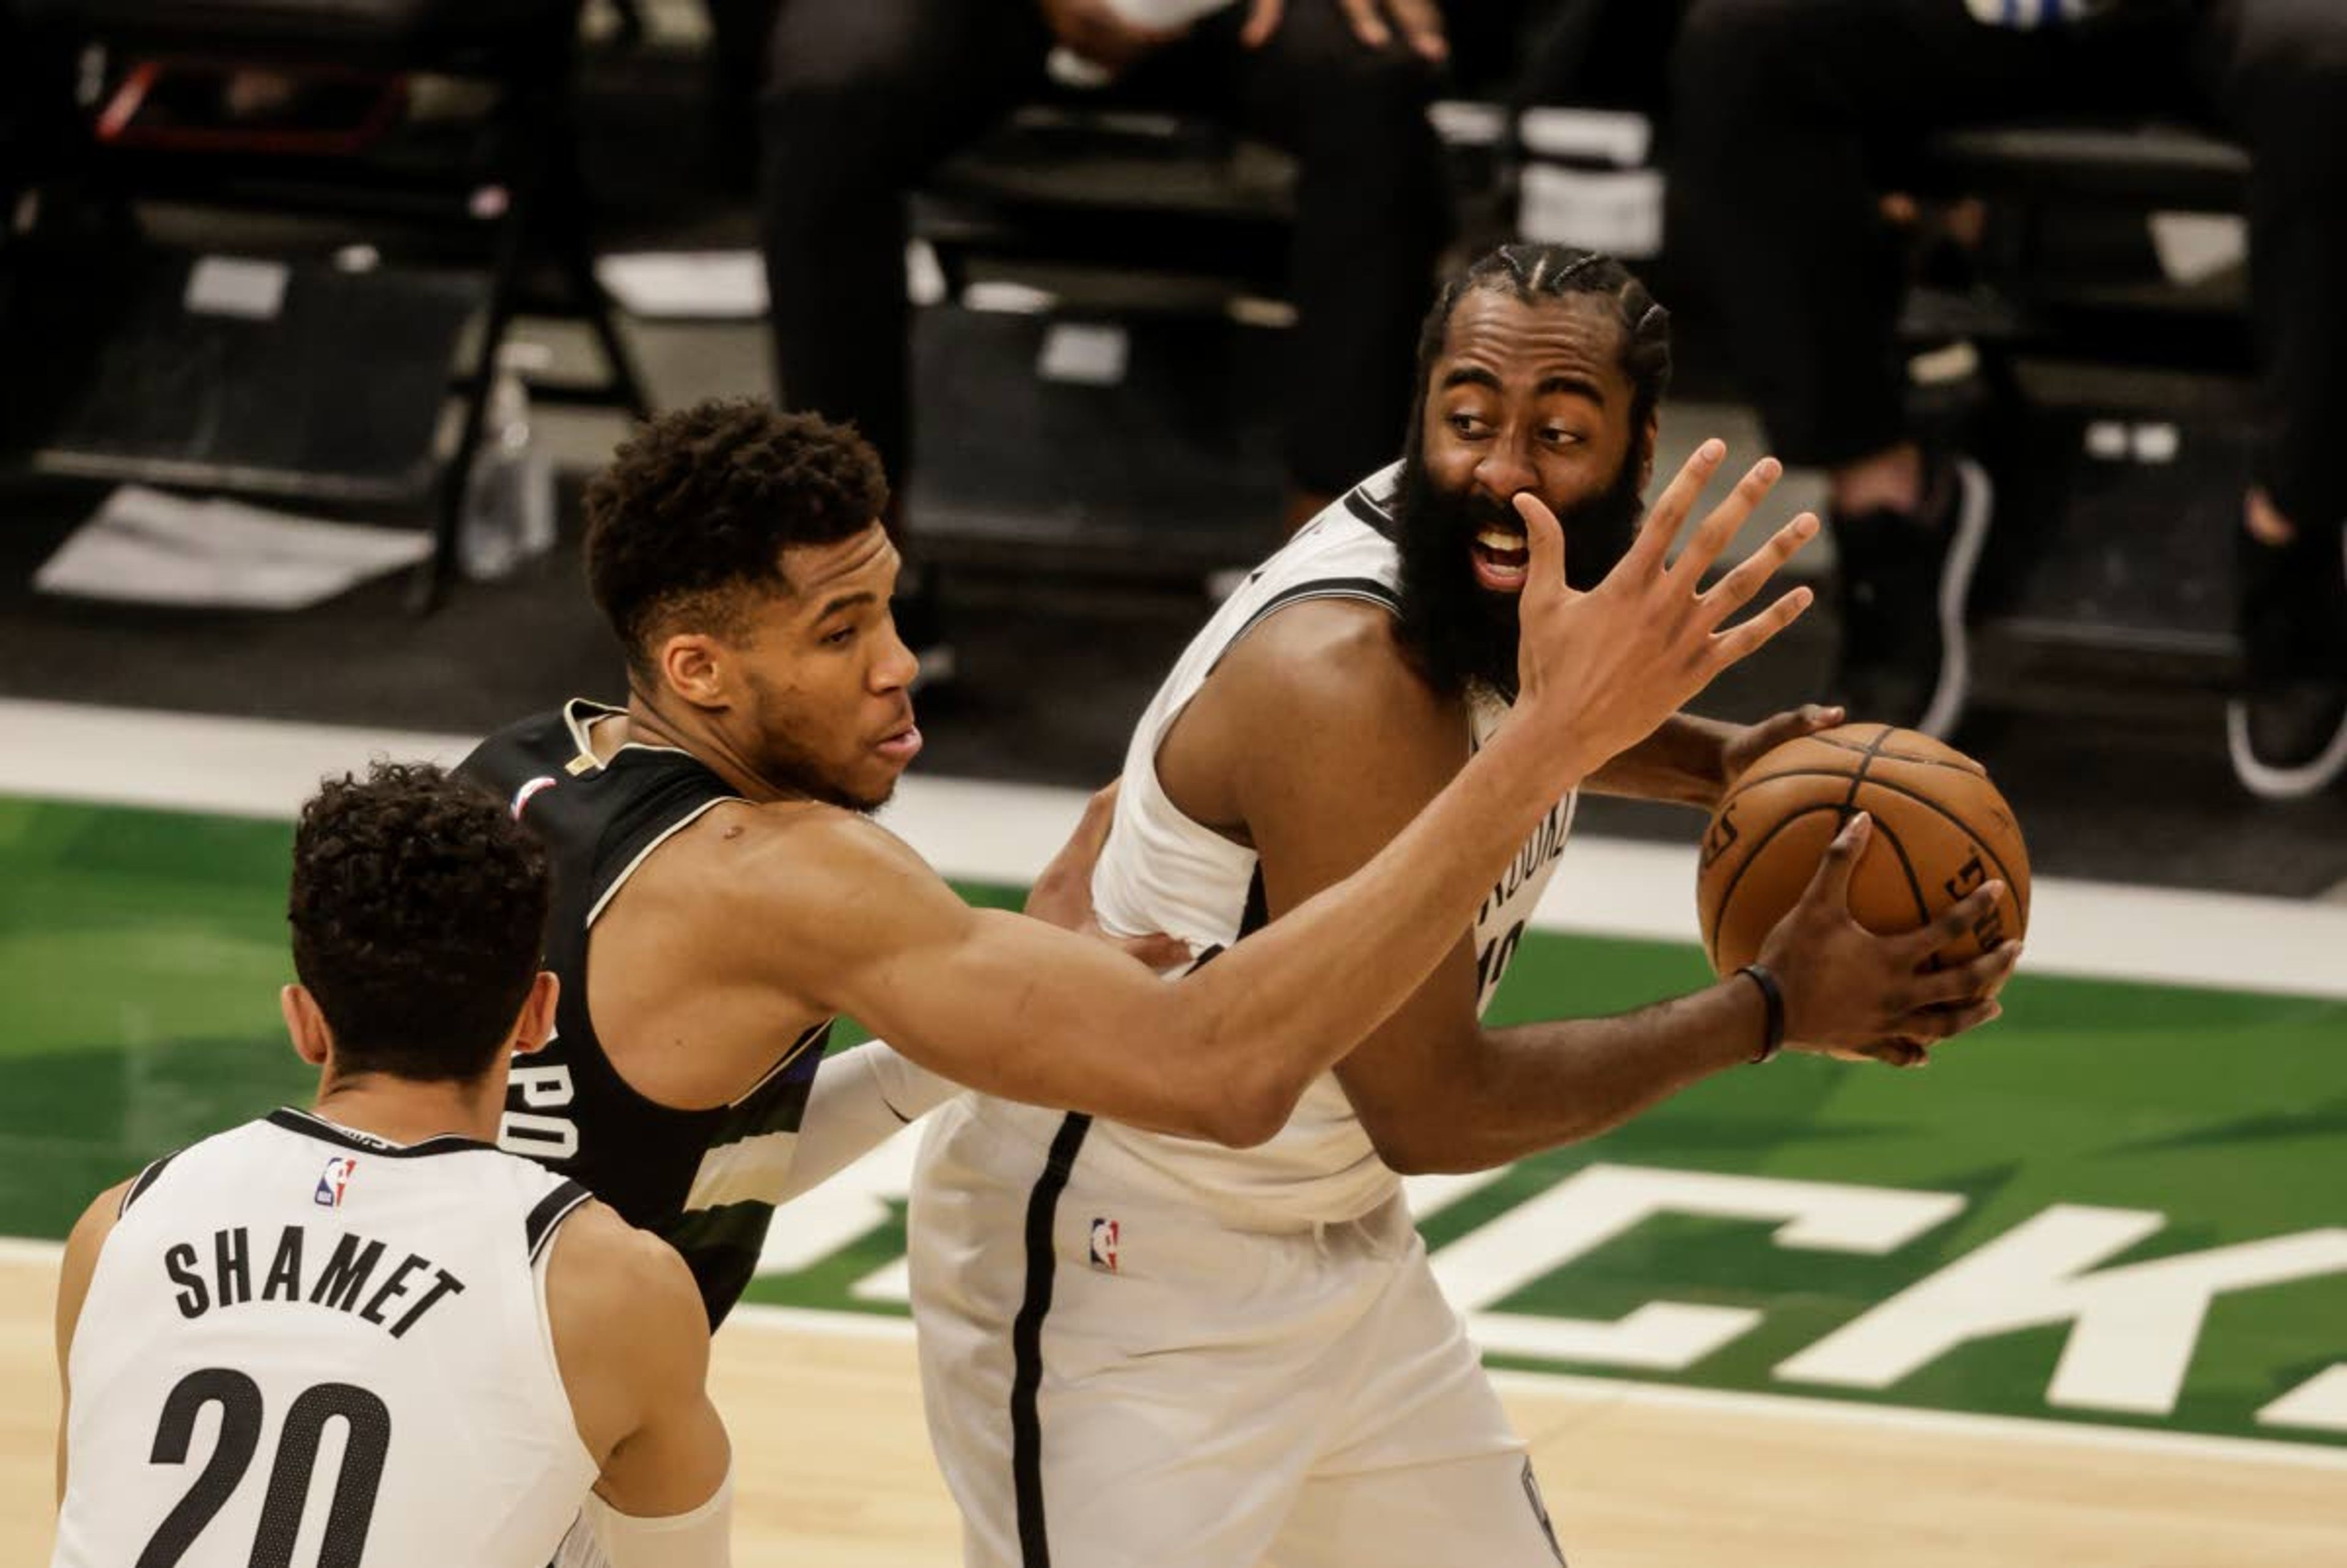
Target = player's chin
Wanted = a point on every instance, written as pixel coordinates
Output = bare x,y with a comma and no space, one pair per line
874,784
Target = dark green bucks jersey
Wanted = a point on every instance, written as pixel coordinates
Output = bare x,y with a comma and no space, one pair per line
704,1180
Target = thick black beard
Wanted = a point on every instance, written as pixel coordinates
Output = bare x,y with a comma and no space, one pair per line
1461,634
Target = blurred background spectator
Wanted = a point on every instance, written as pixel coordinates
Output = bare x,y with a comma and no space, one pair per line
1112,324
1781,109
864,99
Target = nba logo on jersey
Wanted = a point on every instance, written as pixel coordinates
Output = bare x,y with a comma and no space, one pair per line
332,1180
1104,1240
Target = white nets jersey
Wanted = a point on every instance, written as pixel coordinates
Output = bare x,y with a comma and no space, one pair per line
302,1344
1163,871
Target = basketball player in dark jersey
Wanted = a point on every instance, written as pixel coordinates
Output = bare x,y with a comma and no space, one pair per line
721,893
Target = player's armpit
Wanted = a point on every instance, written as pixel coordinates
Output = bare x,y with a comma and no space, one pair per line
645,1415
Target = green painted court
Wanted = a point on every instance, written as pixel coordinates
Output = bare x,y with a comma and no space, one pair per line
2165,1169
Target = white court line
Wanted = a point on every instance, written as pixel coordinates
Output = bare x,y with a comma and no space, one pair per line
870,1326
889,1328
1004,832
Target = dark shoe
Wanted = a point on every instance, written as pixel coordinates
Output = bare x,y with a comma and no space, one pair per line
2287,733
1905,585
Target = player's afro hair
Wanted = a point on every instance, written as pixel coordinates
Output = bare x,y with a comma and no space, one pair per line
701,502
418,908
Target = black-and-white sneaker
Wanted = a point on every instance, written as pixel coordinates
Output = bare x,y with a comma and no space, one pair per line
1905,589
2287,731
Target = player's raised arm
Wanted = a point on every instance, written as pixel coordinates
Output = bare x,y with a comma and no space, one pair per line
1033,1013
631,1337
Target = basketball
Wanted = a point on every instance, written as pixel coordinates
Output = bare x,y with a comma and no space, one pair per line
1941,829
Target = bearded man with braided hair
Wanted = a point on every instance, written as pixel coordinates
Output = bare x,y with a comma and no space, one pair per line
1139,1348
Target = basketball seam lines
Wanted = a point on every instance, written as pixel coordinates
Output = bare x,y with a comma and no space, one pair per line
2019,899
1894,756
1865,761
1727,894
1914,886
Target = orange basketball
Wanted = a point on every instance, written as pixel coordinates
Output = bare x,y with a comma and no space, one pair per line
1940,830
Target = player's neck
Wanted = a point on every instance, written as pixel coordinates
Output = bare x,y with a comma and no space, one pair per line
645,723
403,1111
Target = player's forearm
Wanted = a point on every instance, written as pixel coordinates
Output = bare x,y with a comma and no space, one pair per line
1288,1002
861,1099
1539,1086
1684,761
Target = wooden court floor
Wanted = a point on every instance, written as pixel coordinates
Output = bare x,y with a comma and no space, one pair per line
833,1468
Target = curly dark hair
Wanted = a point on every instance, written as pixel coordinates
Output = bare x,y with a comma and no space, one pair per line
418,908
701,502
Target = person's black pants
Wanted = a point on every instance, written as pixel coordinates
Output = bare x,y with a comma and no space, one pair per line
1777,104
864,96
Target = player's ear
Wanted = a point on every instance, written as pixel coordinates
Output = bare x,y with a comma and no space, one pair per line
535,1026
1646,448
691,664
305,1025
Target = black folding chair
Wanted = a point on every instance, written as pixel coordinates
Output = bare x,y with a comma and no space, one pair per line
517,178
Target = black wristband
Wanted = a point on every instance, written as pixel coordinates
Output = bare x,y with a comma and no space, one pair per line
1775,999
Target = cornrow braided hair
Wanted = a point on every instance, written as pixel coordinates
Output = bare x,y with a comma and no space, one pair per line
1535,272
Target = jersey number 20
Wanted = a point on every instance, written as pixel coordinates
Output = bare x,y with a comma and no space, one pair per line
238,1397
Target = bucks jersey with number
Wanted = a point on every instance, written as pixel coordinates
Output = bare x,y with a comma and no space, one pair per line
705,1181
1160,871
302,1344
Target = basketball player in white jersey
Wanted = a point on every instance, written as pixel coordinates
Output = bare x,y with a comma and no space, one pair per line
1142,1349
360,1334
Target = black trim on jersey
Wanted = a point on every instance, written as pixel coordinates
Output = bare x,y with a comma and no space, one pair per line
325,1132
146,1180
1027,1343
1367,588
1256,915
1358,502
551,1211
813,1034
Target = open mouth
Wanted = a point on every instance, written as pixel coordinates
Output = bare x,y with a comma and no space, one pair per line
1502,557
901,746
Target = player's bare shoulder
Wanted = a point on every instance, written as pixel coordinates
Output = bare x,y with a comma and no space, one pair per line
1333,671
606,1274
762,882
82,1247
747,869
